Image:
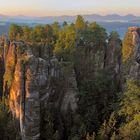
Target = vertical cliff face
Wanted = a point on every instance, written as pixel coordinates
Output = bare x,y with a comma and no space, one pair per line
11,59
29,78
35,82
1,66
138,48
113,55
4,46
70,87
113,61
29,83
134,62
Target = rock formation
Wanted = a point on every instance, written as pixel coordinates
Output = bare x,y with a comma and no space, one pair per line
34,81
29,80
70,88
113,60
4,44
28,85
1,65
134,63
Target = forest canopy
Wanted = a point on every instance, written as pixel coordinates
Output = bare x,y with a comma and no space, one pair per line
108,97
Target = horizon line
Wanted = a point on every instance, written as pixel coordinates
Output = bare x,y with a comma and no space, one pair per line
14,15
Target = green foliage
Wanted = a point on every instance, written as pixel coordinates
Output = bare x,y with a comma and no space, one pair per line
78,128
94,103
114,35
39,33
124,123
100,35
26,33
8,125
97,87
92,137
15,32
52,126
130,105
65,24
56,27
80,23
8,78
65,45
102,112
92,38
128,47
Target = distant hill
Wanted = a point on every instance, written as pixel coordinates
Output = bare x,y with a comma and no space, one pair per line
50,19
112,17
92,17
113,22
136,21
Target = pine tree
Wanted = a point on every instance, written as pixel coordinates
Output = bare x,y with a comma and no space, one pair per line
80,23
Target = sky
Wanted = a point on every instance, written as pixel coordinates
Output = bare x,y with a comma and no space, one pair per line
68,7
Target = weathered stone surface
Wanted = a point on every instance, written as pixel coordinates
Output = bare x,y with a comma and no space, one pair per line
70,88
42,50
3,52
113,55
31,88
10,62
99,59
1,67
54,67
134,69
29,78
25,82
36,77
32,79
113,60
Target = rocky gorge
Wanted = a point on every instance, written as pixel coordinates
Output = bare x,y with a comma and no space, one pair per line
43,91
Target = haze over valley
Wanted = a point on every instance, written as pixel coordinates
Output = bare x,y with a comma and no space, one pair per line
112,22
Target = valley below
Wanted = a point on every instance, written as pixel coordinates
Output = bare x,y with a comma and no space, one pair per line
70,81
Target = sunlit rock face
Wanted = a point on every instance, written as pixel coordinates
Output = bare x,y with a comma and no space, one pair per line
25,78
16,91
135,60
10,63
29,82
